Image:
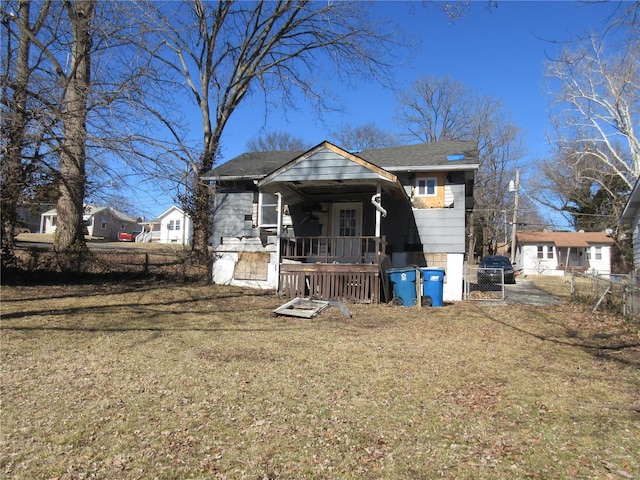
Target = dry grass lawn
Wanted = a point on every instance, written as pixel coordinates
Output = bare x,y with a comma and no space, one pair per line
173,381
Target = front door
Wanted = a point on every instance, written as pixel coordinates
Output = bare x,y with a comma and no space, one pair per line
347,223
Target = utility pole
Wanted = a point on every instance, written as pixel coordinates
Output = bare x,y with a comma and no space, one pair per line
515,218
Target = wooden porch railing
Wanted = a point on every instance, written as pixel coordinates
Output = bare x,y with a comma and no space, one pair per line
360,249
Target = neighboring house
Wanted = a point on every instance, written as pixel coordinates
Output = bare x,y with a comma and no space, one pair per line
631,216
559,253
329,223
171,226
100,222
27,220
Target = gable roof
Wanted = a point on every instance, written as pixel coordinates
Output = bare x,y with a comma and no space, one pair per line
324,152
420,157
565,239
159,218
91,210
326,169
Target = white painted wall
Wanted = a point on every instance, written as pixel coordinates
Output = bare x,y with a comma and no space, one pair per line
453,278
171,235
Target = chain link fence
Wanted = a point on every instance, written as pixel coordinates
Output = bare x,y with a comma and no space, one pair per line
615,293
484,283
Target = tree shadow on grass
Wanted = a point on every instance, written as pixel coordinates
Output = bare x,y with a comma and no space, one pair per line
604,347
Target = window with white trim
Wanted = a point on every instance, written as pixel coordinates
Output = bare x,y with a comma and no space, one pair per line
426,187
598,253
540,251
549,251
267,210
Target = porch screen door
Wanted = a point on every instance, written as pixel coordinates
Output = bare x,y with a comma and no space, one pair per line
347,222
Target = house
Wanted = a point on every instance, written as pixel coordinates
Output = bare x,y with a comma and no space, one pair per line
559,253
631,216
171,226
328,223
100,222
28,218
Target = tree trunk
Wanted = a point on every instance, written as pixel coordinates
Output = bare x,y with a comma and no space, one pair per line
13,172
203,202
69,234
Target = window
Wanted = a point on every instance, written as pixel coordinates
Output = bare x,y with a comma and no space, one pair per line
267,210
177,224
549,252
123,226
348,223
103,225
426,187
598,253
170,225
540,251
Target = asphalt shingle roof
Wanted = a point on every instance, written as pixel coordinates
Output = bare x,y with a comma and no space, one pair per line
565,239
256,165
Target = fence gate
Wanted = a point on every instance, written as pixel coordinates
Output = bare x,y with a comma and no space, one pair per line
484,284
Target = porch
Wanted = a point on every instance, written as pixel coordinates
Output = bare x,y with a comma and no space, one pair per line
350,268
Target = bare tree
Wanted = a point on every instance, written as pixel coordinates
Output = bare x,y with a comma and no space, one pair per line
70,229
595,112
90,109
364,137
16,164
273,141
598,106
225,51
436,109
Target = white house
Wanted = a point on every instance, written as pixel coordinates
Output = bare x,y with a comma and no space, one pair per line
559,253
100,222
631,216
171,226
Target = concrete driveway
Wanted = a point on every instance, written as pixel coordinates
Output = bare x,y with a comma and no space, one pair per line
524,292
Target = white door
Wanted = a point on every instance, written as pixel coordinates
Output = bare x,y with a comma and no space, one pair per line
347,222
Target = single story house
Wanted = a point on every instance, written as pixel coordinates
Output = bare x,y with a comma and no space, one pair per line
171,226
631,216
100,222
559,253
329,223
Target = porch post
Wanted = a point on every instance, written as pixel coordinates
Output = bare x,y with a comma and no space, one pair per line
278,240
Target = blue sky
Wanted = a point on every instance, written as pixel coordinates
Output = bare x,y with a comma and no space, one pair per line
498,51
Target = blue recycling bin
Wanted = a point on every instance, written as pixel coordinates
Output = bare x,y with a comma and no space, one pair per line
404,284
432,284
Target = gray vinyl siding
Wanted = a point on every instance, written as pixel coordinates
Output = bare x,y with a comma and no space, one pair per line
441,230
325,166
232,215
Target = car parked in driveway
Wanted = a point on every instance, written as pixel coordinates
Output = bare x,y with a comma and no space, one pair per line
491,269
127,237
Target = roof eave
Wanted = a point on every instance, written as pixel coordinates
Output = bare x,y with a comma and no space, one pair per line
232,178
433,168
